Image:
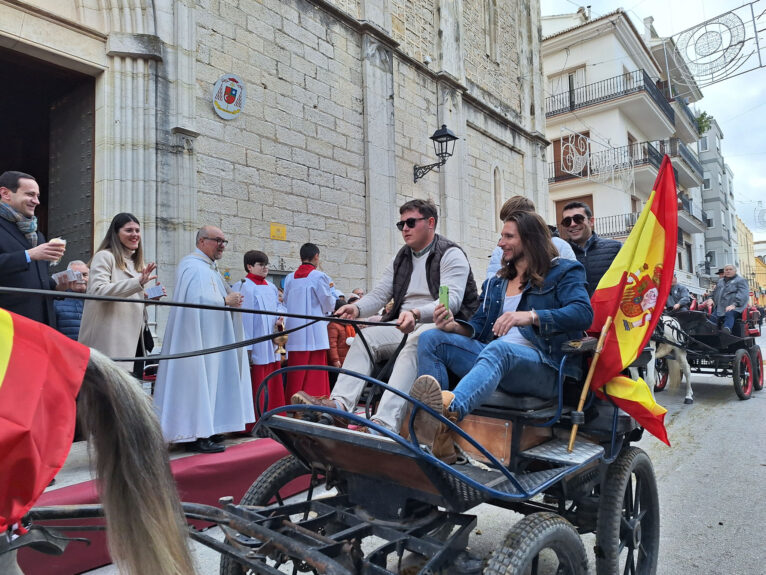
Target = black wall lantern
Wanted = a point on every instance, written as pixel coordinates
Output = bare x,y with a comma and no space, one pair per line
444,145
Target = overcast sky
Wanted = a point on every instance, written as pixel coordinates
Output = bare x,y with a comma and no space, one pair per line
738,104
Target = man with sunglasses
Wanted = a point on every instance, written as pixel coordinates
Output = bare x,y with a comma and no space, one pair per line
426,261
592,251
200,397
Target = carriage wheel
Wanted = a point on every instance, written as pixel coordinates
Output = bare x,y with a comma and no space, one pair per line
661,374
757,358
742,374
628,528
274,485
540,540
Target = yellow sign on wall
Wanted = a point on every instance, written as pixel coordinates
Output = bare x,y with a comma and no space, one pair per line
278,231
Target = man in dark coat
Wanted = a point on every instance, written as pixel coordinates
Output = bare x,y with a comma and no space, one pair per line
731,296
591,250
24,253
679,297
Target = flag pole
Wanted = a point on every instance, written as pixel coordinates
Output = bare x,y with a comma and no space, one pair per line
591,371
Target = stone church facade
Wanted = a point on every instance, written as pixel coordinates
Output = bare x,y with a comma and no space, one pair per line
341,98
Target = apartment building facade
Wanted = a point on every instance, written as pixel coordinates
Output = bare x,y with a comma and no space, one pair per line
613,110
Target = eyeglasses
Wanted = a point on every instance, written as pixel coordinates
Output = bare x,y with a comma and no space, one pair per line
409,222
577,218
219,241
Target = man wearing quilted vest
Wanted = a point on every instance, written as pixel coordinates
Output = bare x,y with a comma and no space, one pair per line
426,261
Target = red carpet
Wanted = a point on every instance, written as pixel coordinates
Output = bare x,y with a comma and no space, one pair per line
200,478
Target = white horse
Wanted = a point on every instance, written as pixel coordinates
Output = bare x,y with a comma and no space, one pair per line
669,342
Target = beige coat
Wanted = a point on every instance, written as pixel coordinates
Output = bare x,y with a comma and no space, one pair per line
113,328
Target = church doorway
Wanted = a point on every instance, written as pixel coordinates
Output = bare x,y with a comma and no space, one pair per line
47,122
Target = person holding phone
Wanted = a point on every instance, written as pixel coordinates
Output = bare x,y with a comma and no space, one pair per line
535,303
426,262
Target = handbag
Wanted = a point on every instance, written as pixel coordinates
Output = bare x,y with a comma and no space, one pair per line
148,339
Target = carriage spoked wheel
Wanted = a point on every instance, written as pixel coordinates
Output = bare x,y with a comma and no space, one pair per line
278,483
742,374
628,527
757,358
661,374
540,543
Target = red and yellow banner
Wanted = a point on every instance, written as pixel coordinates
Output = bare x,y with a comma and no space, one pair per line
633,291
41,372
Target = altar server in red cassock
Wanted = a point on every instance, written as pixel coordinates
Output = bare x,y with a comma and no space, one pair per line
308,292
261,294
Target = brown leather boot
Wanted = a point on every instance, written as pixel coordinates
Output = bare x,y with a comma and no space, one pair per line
428,391
444,442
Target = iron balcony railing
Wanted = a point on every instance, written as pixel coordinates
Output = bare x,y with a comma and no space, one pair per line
615,226
691,208
687,111
636,154
606,90
675,148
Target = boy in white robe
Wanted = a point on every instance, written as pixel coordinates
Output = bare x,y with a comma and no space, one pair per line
261,294
202,396
308,292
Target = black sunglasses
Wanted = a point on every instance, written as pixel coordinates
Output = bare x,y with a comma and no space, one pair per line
409,222
577,218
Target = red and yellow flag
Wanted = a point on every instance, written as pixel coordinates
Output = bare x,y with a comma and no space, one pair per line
41,371
633,291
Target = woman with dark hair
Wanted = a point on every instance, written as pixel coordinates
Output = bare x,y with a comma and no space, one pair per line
118,269
513,341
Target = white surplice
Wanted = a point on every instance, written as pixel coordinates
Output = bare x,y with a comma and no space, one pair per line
311,295
266,298
202,395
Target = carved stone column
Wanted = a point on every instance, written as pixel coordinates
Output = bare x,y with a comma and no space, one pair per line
379,154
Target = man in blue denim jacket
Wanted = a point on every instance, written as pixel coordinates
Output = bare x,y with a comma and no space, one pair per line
514,339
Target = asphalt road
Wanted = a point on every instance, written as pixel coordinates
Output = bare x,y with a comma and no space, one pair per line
711,504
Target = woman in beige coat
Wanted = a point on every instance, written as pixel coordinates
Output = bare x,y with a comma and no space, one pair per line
117,269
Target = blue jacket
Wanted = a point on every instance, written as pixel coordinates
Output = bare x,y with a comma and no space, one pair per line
562,306
68,316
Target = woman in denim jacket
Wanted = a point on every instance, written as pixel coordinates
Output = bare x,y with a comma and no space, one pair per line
514,339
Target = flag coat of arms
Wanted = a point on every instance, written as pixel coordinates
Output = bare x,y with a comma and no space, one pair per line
41,371
633,292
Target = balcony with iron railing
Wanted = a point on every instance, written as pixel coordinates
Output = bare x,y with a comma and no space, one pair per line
688,168
618,226
624,85
686,121
636,155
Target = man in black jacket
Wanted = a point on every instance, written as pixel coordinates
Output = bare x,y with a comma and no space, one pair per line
24,253
678,298
591,250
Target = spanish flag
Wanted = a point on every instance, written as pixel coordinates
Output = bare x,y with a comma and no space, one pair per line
41,371
633,292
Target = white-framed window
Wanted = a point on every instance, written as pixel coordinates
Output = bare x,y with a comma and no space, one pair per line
703,144
706,181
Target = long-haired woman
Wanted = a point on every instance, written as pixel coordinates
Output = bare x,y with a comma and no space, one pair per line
117,269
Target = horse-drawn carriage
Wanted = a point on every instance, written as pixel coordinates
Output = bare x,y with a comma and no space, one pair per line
383,503
374,503
714,351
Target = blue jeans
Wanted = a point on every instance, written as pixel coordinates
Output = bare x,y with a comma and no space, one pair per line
483,367
728,318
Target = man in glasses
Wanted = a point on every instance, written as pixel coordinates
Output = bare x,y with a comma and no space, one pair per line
592,251
198,398
425,262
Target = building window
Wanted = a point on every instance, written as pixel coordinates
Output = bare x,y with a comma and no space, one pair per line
490,29
706,181
703,144
720,180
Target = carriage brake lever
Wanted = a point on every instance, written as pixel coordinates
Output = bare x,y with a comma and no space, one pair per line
42,539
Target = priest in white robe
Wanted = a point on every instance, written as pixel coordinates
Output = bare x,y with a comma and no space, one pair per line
259,293
201,397
308,292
